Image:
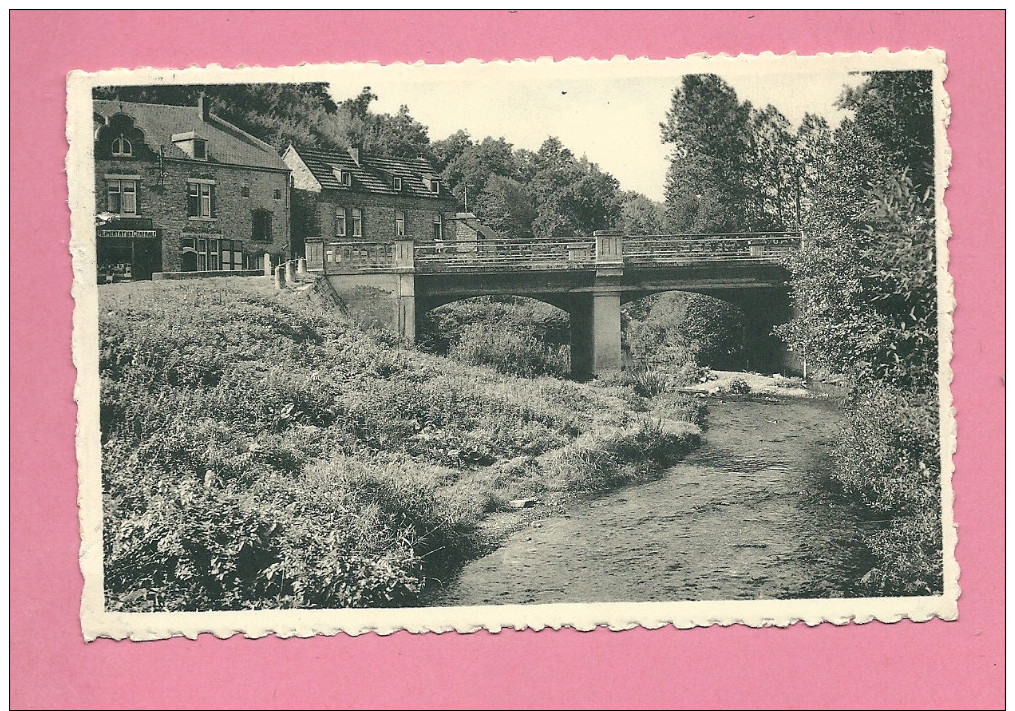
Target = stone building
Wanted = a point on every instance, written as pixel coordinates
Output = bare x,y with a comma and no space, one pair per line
352,196
179,189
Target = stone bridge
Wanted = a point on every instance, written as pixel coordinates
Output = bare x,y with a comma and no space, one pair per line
589,278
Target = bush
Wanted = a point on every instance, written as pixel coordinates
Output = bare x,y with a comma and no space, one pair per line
667,331
889,456
510,352
736,386
619,455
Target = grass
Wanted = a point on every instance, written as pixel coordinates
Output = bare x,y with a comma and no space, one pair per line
262,451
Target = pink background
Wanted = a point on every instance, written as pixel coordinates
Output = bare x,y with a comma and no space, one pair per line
936,664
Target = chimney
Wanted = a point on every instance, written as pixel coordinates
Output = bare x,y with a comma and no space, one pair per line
203,106
354,151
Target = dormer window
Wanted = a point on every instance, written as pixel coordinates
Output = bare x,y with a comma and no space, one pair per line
122,147
435,186
344,177
396,183
192,144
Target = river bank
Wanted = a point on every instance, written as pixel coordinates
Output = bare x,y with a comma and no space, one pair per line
259,449
751,514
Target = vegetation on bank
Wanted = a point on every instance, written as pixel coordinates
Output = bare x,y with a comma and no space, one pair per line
864,284
259,450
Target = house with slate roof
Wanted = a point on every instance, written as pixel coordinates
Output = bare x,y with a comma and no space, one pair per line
351,195
179,189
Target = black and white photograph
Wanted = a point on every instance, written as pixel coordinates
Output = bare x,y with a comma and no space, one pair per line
589,342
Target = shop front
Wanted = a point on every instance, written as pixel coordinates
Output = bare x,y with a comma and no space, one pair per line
127,250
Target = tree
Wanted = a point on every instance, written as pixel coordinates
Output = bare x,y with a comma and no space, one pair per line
572,196
471,168
865,284
279,114
640,216
708,186
448,149
505,206
896,108
773,173
396,136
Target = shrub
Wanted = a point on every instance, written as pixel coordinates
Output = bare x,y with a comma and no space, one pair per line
668,330
510,352
889,456
612,456
736,387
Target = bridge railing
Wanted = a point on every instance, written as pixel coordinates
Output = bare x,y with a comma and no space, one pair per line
504,253
350,257
607,249
735,247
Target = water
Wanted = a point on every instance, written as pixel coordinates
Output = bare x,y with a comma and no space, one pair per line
750,515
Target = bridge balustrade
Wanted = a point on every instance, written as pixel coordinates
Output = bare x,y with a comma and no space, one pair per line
513,254
350,257
504,254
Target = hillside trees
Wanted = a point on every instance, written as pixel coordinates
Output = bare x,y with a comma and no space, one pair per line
397,135
707,187
547,194
277,113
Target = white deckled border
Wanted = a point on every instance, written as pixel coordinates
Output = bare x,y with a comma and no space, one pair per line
96,622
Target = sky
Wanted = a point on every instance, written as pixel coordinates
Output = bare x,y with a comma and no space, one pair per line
607,111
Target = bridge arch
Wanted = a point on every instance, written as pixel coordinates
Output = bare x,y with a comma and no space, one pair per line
668,328
761,308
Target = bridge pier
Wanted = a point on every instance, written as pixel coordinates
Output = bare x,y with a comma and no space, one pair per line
595,334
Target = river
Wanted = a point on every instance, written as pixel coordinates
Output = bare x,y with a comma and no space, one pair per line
751,514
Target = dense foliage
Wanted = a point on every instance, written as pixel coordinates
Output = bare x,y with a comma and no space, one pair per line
864,285
260,451
513,335
549,194
675,330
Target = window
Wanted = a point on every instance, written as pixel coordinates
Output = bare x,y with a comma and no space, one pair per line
435,186
438,227
261,226
122,147
245,191
399,223
201,254
201,200
396,183
357,222
121,196
343,176
340,222
231,255
200,149
278,194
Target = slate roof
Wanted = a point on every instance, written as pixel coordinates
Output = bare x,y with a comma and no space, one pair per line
374,173
227,144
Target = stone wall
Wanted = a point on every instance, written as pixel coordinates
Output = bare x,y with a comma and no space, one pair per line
164,201
320,209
